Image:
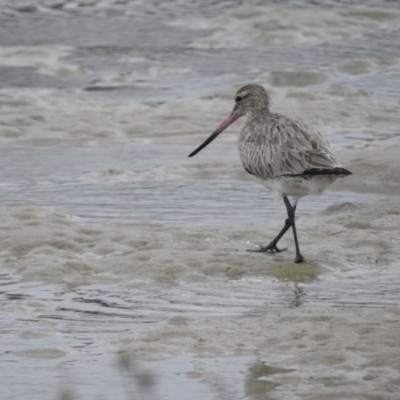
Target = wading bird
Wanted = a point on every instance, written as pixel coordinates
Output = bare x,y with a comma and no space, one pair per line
287,156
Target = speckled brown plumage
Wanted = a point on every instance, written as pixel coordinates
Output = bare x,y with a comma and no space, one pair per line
289,157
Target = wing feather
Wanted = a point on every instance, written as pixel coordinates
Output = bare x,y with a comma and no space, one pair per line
276,145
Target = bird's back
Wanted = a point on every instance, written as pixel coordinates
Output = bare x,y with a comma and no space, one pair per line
272,145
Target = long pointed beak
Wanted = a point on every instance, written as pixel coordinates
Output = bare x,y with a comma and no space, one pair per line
230,120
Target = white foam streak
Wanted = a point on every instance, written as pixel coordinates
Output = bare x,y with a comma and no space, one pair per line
287,26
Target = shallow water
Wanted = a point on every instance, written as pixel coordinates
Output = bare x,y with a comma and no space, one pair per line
124,270
85,183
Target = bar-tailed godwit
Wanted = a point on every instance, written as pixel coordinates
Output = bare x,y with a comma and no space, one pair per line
287,156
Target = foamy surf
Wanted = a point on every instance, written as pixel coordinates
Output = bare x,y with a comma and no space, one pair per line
124,263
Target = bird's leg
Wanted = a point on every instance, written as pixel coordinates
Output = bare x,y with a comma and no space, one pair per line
291,214
272,246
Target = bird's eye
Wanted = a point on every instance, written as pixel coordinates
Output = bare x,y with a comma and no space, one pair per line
238,99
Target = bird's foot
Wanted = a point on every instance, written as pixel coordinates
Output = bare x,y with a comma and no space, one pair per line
299,259
272,247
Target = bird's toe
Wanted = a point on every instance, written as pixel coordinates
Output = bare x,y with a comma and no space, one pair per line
299,259
272,247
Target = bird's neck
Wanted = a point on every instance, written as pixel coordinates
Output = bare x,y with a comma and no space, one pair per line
257,113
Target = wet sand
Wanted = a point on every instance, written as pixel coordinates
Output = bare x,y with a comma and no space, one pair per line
124,270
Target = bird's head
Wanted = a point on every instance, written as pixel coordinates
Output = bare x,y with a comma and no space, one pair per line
249,101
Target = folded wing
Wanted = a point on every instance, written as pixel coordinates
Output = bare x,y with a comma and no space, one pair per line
279,146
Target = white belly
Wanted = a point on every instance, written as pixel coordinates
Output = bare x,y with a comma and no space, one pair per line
297,186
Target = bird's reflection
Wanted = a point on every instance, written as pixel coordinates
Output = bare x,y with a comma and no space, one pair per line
256,382
298,292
